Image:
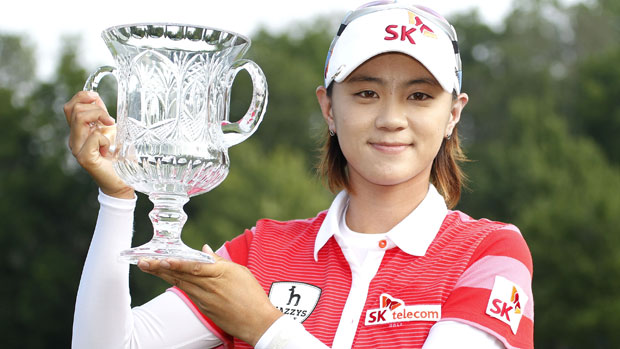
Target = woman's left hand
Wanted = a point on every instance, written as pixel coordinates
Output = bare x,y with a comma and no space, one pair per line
224,291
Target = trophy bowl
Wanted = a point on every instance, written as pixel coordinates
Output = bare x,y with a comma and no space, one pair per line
172,123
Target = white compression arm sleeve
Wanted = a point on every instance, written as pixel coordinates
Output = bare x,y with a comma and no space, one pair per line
103,316
453,334
287,333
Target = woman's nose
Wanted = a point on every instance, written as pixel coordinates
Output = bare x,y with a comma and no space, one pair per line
391,117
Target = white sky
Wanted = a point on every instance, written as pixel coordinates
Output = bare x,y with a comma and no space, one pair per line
45,21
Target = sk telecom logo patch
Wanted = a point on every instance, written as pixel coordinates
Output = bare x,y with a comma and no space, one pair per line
295,299
394,310
507,302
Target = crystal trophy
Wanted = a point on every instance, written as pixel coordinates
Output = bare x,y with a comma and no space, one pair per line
172,124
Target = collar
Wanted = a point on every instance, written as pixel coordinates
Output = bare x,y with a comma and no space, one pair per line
413,234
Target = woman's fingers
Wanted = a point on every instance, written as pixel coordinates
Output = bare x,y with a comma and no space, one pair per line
90,153
80,97
83,124
187,270
92,131
95,158
90,98
207,249
84,113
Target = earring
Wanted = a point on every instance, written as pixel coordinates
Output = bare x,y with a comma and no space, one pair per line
449,136
332,133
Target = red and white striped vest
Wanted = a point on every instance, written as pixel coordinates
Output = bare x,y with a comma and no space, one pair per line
457,273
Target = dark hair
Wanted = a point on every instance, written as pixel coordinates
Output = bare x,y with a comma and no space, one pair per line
446,173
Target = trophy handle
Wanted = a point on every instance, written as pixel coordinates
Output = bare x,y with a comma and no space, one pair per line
237,132
92,83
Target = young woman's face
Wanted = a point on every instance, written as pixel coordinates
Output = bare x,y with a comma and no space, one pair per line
391,117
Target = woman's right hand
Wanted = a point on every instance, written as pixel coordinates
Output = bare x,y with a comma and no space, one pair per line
92,132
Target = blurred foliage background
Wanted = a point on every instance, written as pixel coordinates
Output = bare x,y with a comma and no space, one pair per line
541,128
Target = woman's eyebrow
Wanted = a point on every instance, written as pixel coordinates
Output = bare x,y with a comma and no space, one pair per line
425,80
380,81
365,78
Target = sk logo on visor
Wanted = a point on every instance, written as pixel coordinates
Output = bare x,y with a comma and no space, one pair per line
424,29
405,32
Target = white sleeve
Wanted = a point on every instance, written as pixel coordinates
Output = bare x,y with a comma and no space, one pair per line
286,333
454,334
103,316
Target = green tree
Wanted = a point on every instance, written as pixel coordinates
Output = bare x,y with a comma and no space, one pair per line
543,149
292,61
41,241
595,107
555,187
17,66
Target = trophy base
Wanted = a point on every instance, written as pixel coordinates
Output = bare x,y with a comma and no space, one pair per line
164,250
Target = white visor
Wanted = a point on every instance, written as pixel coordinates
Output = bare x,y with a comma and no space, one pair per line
408,30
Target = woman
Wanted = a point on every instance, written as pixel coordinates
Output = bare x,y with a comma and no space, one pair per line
388,265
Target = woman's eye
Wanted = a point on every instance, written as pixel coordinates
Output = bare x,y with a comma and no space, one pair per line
367,94
419,96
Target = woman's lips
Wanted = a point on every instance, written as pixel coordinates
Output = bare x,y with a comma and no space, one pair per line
390,147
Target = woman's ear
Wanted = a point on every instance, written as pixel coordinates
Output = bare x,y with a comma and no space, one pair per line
455,112
325,102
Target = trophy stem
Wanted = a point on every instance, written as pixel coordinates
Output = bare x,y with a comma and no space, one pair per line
168,219
168,216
